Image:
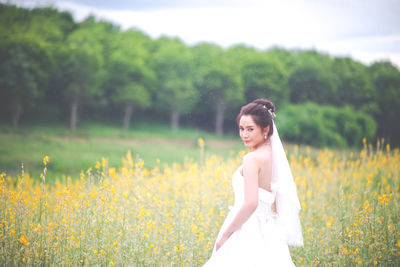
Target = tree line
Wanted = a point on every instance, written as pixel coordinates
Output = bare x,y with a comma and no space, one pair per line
54,67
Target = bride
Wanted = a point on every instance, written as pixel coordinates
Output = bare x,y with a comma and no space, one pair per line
264,219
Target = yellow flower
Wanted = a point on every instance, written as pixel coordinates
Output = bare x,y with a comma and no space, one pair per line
103,162
23,240
384,199
329,222
46,160
200,142
387,147
98,165
37,229
366,205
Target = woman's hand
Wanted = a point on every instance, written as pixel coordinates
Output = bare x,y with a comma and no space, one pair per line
221,241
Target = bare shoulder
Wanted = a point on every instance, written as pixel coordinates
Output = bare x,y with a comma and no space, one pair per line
250,165
256,157
251,159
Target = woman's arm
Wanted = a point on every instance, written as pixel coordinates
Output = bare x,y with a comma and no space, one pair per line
250,173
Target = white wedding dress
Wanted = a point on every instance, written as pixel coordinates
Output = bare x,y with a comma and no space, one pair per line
260,241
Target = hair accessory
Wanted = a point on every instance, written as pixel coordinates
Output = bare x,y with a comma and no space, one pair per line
273,115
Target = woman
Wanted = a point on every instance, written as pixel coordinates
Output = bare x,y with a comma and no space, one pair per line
264,219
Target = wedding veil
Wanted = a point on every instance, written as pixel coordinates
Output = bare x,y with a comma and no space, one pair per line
287,201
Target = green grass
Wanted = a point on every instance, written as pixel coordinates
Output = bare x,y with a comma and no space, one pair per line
71,152
137,130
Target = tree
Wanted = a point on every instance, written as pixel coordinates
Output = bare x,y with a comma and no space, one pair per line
221,87
312,58
265,78
308,83
21,74
286,58
354,85
322,125
81,65
219,84
386,79
26,55
174,67
130,78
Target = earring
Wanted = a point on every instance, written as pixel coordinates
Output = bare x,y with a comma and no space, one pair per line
265,136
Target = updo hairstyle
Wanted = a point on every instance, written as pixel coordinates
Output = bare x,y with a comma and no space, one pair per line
261,111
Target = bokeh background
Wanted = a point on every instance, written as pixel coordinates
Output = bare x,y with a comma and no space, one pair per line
118,134
90,68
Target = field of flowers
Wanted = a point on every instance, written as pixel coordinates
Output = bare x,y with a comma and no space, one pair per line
170,215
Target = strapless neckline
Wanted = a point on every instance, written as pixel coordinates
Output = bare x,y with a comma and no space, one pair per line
238,170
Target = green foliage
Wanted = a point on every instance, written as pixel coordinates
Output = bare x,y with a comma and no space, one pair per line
285,57
212,76
83,51
130,78
20,73
309,83
318,125
264,77
51,64
27,45
354,86
386,79
174,68
205,56
220,86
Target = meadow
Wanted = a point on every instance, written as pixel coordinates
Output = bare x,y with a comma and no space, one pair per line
169,214
75,151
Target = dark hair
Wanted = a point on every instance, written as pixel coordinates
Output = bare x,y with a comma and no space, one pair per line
260,110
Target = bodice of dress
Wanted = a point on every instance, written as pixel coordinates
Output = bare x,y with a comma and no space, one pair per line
265,198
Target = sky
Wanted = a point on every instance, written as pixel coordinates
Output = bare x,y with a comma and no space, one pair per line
366,30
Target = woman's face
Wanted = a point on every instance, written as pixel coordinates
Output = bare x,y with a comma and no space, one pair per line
251,134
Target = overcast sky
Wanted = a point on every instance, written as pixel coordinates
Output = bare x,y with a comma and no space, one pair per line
366,30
